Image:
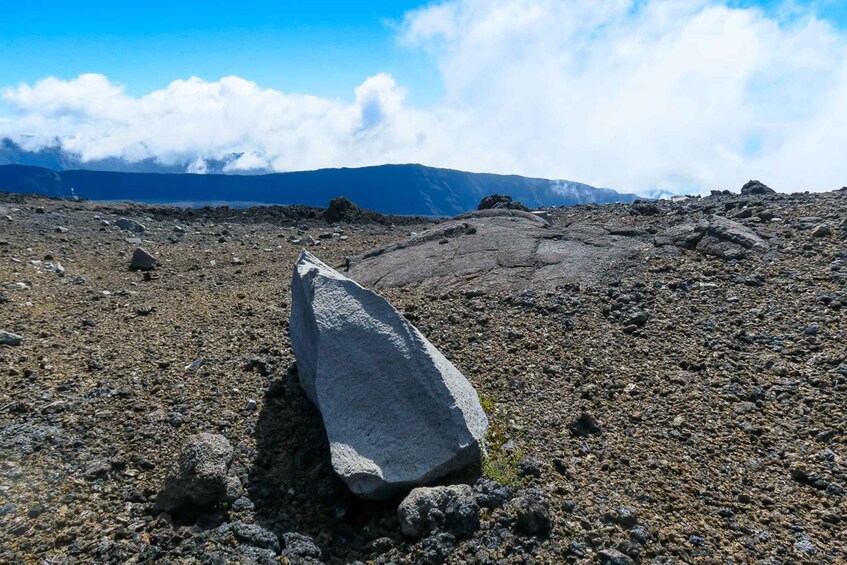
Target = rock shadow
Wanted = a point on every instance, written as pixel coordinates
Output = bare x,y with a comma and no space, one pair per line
294,488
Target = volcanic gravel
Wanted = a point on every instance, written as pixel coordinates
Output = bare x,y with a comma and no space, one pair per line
692,410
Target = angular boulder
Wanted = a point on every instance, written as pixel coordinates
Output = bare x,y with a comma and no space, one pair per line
397,413
142,260
756,187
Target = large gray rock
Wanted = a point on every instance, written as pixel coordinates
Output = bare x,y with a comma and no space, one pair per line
200,478
502,250
397,413
452,509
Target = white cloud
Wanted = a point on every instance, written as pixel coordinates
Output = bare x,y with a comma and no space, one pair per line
638,95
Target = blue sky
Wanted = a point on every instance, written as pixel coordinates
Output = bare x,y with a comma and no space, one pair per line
321,48
645,96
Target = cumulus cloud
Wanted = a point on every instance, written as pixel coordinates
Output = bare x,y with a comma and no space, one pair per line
639,95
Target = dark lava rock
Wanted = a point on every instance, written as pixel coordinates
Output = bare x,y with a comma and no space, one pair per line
532,513
626,516
756,187
427,510
299,546
342,209
639,534
251,534
585,425
8,338
529,467
821,230
498,201
199,479
613,557
490,494
142,260
27,437
258,365
435,549
640,208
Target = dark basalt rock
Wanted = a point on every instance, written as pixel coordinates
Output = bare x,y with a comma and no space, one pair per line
500,201
756,187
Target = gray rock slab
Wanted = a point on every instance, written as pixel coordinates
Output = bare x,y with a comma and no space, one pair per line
397,413
716,236
501,249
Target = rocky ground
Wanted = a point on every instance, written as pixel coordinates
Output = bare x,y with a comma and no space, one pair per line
688,407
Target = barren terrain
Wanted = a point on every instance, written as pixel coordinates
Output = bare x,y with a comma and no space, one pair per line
690,407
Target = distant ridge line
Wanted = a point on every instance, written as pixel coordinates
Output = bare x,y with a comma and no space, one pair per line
406,189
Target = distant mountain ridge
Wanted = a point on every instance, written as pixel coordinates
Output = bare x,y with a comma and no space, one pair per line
409,189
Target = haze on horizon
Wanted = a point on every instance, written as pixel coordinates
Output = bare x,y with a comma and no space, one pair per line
642,96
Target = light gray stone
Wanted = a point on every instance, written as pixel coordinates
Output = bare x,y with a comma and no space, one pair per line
130,225
397,413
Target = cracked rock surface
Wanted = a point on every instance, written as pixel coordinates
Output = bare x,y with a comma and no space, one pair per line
504,250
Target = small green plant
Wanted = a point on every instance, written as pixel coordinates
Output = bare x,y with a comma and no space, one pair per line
498,464
504,468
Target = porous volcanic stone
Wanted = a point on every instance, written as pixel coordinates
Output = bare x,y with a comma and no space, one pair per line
756,187
199,479
452,509
397,413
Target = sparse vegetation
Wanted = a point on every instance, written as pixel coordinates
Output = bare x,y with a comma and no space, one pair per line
499,464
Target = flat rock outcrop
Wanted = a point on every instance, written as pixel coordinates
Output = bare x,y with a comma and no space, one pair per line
501,249
397,413
716,236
